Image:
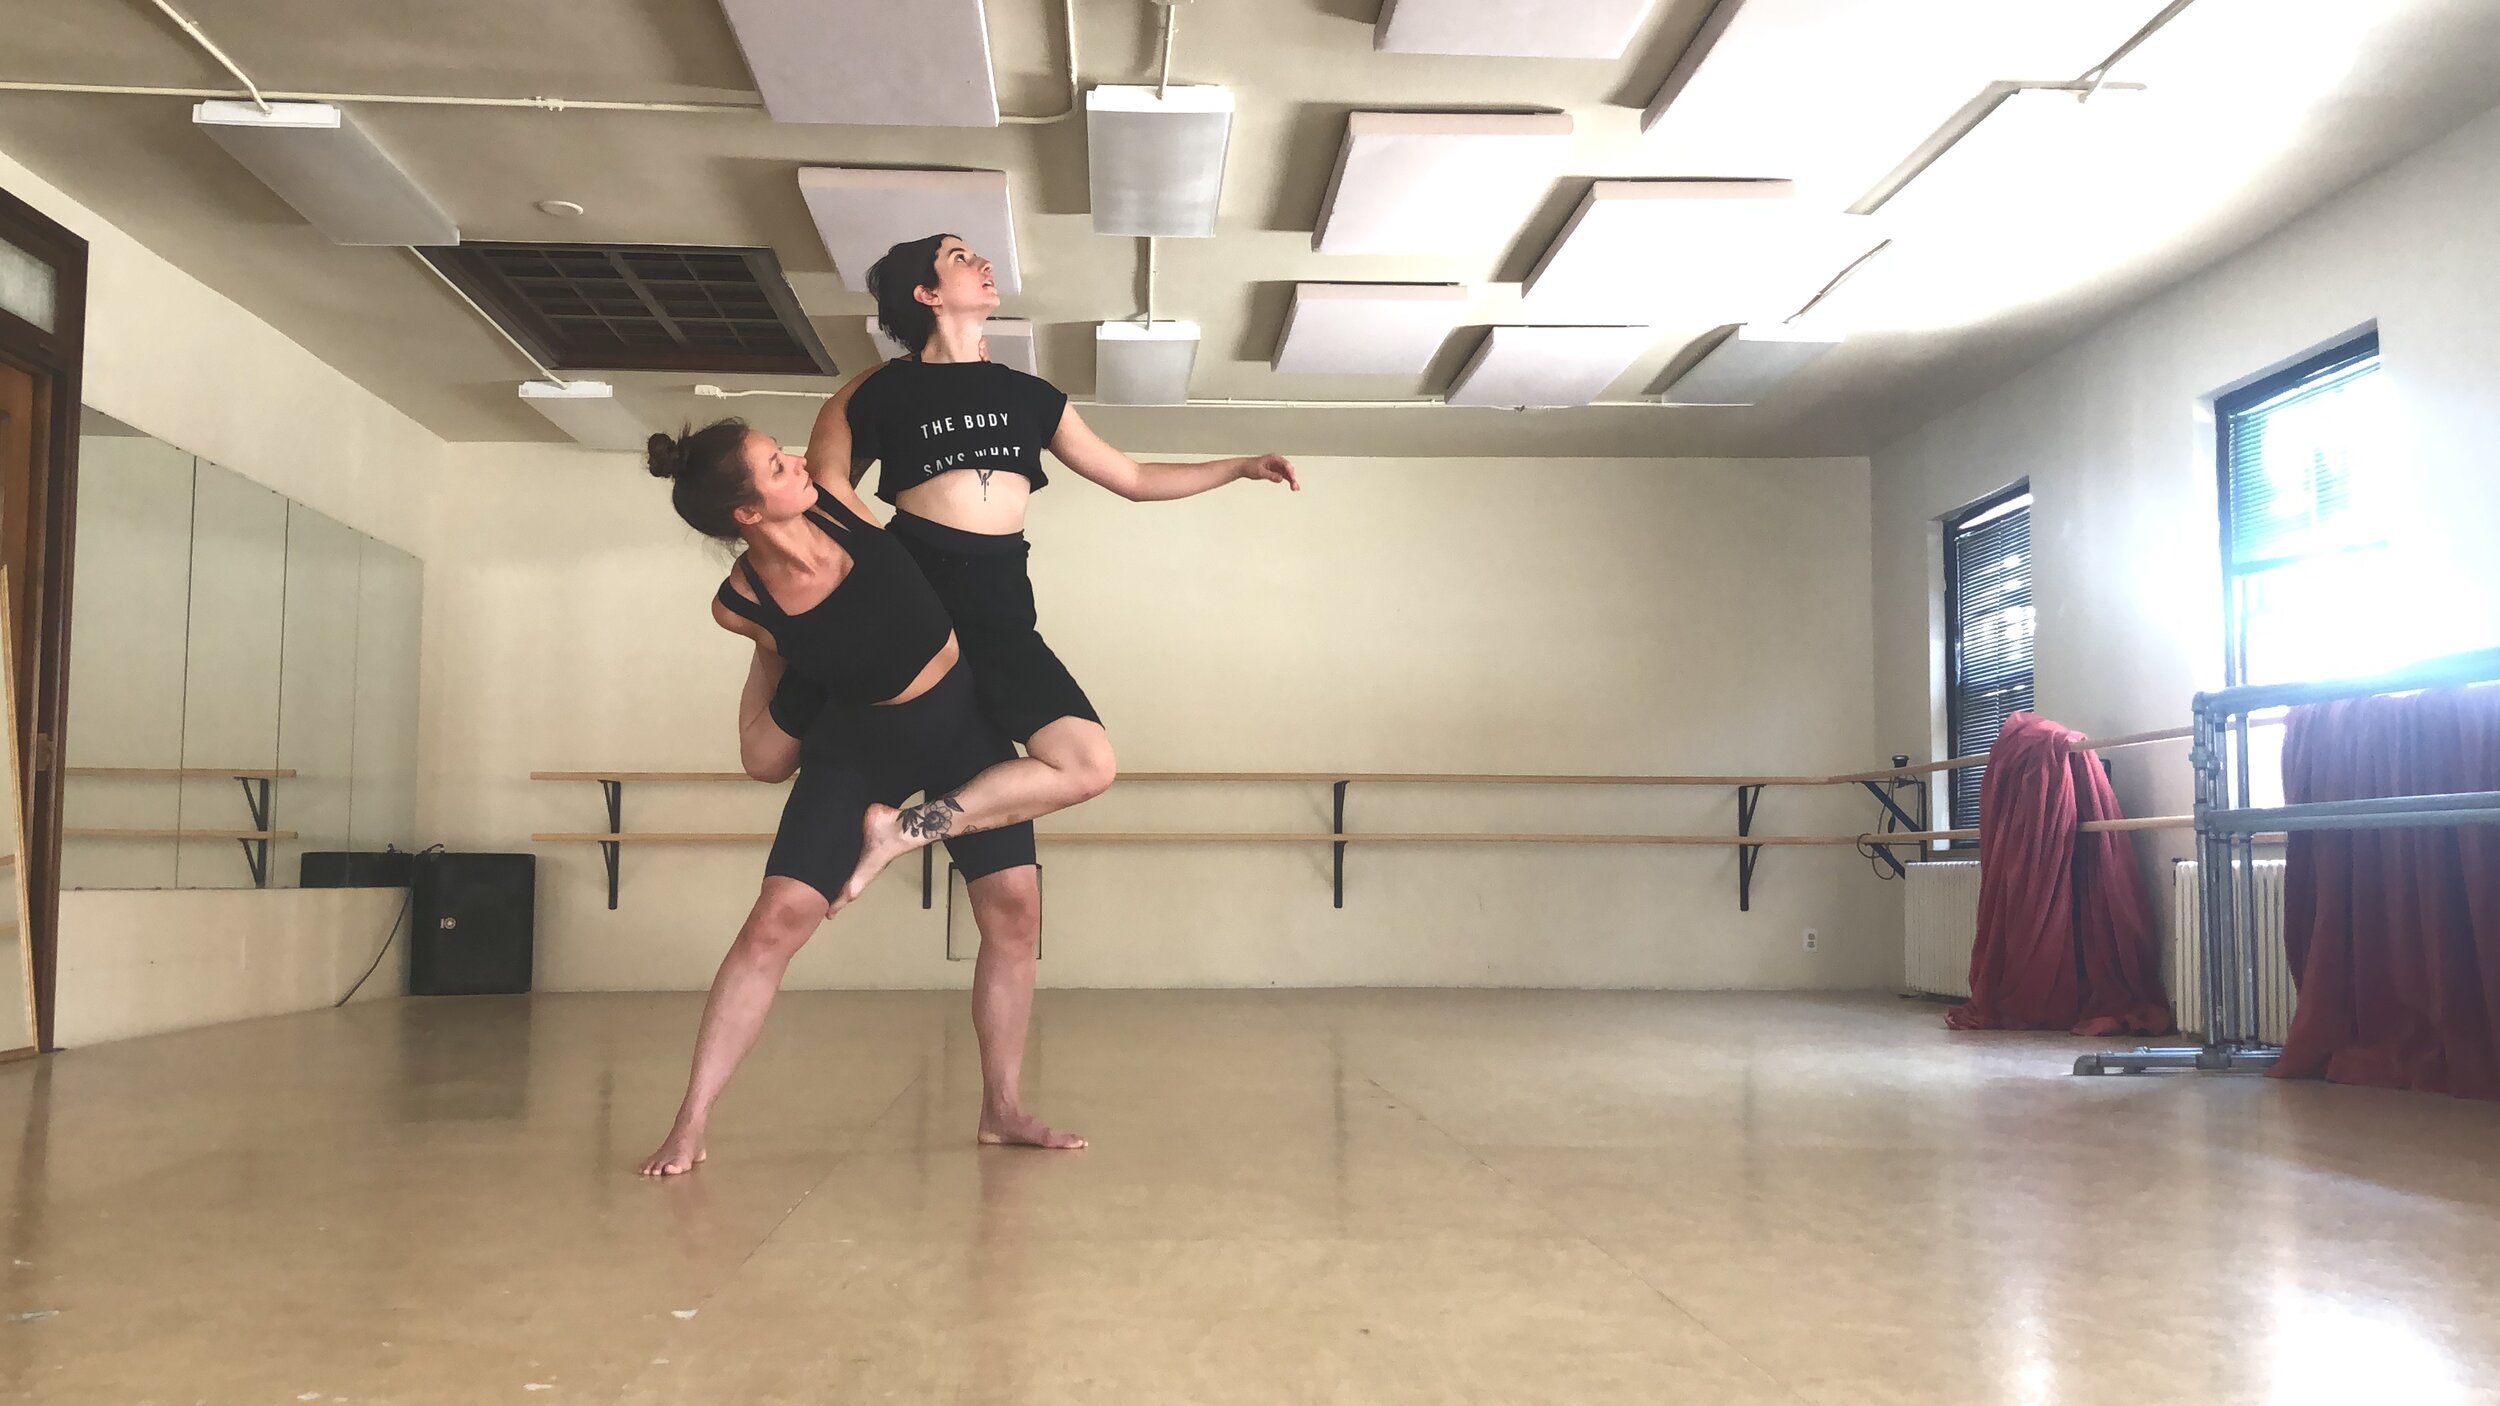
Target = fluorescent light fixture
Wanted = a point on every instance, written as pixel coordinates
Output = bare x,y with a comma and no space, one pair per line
1010,339
2030,132
321,161
1438,182
1367,329
1528,29
1156,163
1548,366
1690,253
871,62
1746,365
1144,363
1830,93
861,212
589,412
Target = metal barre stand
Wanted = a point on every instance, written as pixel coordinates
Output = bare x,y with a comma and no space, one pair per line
2226,831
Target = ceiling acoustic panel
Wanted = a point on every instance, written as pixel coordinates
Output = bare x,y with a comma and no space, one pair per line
1367,329
1548,366
861,212
1156,162
1527,29
1144,363
1747,365
919,63
321,161
1690,253
1010,339
1456,183
1833,93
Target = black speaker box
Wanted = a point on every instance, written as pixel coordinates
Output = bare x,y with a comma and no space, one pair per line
355,869
471,924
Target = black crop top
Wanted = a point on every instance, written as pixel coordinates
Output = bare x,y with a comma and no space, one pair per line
871,637
920,419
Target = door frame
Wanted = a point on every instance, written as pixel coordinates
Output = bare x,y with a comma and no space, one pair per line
42,684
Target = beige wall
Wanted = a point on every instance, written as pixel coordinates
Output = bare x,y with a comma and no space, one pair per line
1575,616
2116,436
168,355
171,356
138,962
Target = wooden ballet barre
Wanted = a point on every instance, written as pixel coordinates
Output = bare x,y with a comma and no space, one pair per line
255,782
1312,837
640,776
1746,845
2124,823
255,842
654,837
2141,822
1748,794
1456,778
2083,744
239,773
1305,777
109,834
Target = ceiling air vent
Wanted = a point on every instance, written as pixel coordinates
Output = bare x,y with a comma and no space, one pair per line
640,307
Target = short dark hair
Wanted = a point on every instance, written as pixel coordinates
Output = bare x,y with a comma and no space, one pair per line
906,268
708,476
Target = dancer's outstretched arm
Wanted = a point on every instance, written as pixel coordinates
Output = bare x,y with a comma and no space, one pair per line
765,751
829,459
1081,449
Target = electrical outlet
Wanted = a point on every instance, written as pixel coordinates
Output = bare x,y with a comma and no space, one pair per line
1814,940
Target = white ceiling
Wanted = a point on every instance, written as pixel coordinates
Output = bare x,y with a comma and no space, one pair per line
2049,218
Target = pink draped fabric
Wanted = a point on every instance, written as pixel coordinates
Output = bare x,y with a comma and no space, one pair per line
2066,938
2394,935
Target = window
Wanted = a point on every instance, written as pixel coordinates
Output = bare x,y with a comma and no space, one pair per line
2312,587
26,290
1988,624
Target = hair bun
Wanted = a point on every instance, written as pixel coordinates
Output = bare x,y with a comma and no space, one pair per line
665,455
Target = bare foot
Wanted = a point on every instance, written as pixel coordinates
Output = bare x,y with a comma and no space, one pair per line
1023,1130
881,841
681,1153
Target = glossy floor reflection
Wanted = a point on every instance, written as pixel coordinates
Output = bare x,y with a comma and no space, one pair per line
1497,1197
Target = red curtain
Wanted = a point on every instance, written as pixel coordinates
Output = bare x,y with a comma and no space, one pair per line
2066,938
2394,935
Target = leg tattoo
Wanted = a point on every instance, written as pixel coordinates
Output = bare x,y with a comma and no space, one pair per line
934,819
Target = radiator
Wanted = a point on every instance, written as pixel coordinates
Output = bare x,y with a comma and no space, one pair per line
2274,972
1940,902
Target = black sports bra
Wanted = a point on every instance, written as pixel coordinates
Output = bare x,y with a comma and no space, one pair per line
870,638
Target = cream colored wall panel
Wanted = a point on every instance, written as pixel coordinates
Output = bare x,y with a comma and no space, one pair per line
145,963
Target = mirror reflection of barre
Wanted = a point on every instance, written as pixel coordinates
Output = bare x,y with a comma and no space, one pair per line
242,677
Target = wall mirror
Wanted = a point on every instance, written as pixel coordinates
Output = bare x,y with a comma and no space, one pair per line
242,677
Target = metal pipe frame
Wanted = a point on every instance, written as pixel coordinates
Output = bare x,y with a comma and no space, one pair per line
2226,830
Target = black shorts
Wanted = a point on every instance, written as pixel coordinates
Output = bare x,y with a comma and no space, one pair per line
855,756
981,578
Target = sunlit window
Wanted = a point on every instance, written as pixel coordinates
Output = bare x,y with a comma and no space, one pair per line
2316,579
1988,626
